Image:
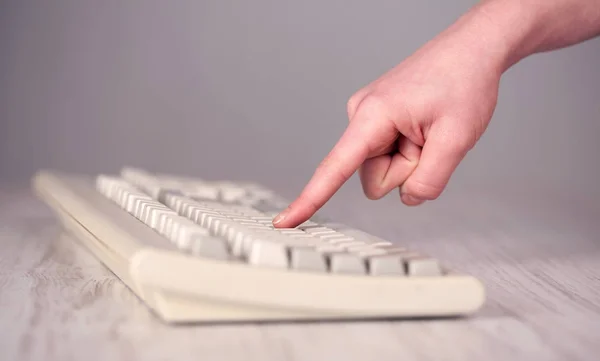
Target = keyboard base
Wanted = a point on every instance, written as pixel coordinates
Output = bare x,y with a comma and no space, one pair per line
202,292
177,308
169,306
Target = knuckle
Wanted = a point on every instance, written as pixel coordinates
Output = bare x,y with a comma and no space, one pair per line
457,139
355,101
373,105
331,169
352,105
308,203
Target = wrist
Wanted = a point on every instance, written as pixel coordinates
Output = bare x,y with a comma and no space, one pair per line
501,31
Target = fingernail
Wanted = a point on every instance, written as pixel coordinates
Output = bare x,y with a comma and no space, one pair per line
280,217
410,200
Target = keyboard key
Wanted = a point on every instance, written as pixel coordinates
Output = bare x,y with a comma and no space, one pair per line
203,192
211,247
268,253
266,206
381,265
163,193
307,259
347,263
421,266
355,234
231,193
372,250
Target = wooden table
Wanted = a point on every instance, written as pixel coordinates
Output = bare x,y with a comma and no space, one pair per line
538,255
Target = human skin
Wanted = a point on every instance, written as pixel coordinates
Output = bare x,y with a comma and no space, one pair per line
410,128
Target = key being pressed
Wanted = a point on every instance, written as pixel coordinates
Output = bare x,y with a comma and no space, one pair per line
199,250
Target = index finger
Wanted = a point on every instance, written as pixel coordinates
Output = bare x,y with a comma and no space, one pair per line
344,159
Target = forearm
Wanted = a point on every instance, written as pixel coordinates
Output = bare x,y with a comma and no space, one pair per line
514,29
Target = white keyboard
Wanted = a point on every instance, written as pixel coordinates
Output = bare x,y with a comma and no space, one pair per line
195,250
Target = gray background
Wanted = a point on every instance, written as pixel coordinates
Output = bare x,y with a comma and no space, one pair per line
257,90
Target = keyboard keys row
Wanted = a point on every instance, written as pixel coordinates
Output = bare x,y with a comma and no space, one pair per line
311,246
157,186
182,232
214,228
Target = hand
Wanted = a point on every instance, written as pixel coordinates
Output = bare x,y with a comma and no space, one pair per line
410,128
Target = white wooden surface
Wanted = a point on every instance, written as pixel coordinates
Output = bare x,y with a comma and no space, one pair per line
539,257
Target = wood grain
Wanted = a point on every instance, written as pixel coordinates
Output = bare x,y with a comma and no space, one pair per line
538,257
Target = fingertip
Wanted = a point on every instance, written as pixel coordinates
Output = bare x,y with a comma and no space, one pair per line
290,217
282,219
279,218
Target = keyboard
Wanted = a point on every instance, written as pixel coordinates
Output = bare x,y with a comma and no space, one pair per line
197,250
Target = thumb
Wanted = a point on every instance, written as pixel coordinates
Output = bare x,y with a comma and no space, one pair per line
445,147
